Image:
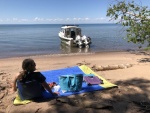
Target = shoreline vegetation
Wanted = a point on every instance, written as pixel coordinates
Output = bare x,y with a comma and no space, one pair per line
131,95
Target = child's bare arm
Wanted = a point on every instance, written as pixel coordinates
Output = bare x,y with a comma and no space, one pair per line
14,83
47,87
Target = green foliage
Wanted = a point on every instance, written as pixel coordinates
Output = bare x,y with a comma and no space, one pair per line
147,49
136,17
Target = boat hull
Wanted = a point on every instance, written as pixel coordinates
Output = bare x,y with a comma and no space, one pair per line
67,41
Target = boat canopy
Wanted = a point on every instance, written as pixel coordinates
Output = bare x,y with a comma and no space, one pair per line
69,26
71,31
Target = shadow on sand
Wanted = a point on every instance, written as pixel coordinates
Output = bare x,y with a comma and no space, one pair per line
131,96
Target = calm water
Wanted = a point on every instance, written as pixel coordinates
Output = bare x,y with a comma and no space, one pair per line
24,40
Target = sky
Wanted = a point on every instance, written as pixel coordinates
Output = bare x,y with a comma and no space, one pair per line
55,11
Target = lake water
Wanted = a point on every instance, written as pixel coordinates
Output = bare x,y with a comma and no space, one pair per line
42,39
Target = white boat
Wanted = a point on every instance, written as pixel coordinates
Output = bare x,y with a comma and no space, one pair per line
71,35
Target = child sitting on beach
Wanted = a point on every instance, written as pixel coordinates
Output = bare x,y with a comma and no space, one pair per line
28,74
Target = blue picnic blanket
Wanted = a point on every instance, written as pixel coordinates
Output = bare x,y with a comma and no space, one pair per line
53,76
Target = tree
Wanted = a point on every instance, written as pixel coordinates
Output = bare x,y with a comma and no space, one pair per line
133,15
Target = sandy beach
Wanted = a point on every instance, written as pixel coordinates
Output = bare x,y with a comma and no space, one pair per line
131,96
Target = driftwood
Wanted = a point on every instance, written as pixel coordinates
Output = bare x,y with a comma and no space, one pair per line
111,67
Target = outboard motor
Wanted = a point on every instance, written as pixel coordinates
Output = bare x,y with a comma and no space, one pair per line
86,41
79,42
89,39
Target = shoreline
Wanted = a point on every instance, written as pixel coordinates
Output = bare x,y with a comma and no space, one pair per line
68,54
63,55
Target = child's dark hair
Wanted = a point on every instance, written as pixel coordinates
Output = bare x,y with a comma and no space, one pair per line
27,63
27,67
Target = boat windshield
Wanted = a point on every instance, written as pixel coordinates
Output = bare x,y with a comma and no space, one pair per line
71,32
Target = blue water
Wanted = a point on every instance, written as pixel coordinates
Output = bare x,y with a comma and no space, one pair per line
25,40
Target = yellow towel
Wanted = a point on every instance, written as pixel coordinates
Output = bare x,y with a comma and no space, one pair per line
18,101
87,70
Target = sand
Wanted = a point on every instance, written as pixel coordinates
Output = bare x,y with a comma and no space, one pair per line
131,96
